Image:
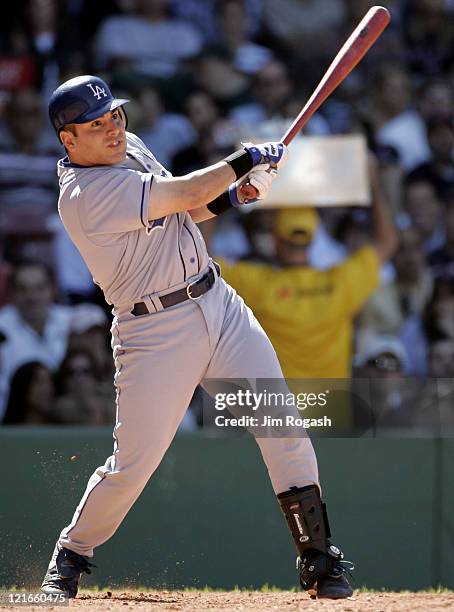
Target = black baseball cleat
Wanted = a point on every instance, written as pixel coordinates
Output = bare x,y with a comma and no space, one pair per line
64,572
335,585
330,571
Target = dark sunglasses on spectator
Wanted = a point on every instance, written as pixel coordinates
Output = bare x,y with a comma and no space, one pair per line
385,363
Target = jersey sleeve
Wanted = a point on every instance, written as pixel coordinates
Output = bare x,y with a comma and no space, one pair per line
116,202
359,276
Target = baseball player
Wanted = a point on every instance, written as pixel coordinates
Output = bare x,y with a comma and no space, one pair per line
175,323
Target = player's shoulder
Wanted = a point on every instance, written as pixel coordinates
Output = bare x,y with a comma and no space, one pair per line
139,150
133,139
136,143
76,181
68,171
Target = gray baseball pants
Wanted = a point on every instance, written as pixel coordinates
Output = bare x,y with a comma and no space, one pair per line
160,359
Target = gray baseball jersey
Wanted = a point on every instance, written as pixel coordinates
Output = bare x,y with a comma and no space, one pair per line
104,210
162,356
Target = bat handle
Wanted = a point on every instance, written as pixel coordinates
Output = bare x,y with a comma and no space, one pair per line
248,192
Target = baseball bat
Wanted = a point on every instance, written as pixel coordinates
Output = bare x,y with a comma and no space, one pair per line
351,53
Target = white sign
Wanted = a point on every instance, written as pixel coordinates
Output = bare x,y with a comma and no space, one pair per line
322,171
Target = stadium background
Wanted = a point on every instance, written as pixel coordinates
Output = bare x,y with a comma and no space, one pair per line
199,75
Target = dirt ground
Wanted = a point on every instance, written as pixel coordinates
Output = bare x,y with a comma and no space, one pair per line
286,601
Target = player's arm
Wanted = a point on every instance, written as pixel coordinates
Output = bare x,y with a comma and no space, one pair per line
384,233
226,201
176,194
201,188
201,214
261,177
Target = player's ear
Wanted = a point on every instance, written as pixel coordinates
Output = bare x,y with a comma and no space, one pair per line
124,116
68,139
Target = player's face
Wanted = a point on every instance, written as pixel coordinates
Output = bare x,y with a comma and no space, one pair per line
101,142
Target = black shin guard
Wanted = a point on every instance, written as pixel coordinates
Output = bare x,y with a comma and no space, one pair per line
308,523
306,517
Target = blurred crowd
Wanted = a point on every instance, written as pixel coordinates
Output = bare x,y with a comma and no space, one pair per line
202,75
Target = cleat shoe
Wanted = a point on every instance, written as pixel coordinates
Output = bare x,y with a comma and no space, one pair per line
64,572
336,584
323,575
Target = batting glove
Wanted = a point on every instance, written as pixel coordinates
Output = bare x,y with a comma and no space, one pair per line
261,177
270,153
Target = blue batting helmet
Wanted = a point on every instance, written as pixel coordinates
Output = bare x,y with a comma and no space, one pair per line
81,99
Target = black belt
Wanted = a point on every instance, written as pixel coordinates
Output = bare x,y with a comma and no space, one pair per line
193,291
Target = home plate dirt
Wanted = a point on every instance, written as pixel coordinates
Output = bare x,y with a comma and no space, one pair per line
251,600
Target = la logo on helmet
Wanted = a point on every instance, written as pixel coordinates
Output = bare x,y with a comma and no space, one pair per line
97,91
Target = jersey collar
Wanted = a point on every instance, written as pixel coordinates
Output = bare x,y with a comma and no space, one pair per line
65,163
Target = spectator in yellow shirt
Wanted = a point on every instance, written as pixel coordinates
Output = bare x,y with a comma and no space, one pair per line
308,313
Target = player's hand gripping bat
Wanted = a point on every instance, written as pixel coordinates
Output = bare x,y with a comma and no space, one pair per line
354,49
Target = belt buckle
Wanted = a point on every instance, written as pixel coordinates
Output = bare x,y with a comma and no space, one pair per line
188,291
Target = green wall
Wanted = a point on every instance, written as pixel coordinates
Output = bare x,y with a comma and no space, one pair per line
208,516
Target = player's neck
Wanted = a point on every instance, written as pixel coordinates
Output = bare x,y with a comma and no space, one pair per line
87,162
